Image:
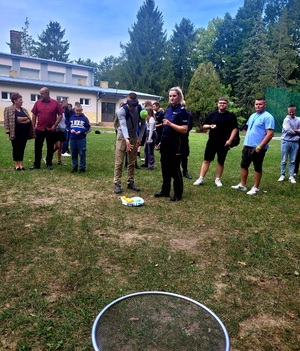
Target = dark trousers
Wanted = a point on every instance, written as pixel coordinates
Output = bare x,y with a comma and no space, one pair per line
18,146
66,142
185,152
78,147
38,146
170,167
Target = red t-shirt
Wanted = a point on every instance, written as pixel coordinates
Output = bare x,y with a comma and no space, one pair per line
46,112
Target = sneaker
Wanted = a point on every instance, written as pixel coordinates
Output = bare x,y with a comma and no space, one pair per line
281,178
66,154
199,181
218,182
253,191
239,187
292,180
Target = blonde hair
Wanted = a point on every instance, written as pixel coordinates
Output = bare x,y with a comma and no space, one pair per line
179,92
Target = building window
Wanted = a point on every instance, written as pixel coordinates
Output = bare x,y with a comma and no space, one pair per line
4,70
79,80
56,77
60,98
5,96
34,97
29,73
84,102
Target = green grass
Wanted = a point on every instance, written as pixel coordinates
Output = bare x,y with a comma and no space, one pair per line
68,247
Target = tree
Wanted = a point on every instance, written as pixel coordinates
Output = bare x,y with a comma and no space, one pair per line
205,40
28,45
50,44
285,55
204,90
145,65
257,70
182,44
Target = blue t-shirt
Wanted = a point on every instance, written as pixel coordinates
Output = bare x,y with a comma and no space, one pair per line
258,124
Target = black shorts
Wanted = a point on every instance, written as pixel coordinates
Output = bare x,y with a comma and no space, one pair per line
60,136
250,155
215,148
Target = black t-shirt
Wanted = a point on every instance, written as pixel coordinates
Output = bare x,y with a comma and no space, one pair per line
225,123
22,130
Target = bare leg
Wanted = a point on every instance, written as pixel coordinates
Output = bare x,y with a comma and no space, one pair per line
219,170
244,176
257,178
204,168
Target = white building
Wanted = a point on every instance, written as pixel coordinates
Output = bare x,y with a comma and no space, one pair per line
26,75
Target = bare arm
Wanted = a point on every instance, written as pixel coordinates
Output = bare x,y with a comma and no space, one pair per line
34,120
266,139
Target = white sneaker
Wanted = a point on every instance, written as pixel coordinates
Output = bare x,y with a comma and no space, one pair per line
292,180
253,191
199,181
218,182
66,154
281,178
239,187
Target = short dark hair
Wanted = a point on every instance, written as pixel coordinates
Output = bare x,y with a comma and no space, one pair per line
14,97
156,103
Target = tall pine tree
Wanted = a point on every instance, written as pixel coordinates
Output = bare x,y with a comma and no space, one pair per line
50,44
145,65
182,44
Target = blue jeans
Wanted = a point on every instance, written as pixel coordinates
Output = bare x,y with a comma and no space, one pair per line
78,147
288,150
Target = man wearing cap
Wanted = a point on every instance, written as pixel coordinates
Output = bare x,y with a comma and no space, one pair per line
128,140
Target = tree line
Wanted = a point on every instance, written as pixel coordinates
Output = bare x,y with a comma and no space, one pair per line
235,56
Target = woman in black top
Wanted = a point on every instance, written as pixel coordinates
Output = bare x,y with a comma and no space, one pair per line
18,125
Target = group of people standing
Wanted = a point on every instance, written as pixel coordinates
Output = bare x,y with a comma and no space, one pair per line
174,124
166,131
223,129
52,121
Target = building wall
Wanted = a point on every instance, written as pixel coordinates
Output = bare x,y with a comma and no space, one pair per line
27,76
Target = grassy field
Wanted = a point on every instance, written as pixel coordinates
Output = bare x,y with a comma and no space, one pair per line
68,247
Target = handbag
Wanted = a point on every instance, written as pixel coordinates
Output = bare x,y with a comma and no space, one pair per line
236,140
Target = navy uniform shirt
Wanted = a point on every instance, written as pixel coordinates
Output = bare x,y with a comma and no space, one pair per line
170,137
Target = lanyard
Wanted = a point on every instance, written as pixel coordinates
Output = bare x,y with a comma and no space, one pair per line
254,119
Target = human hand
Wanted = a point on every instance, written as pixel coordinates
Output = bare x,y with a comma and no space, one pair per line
129,146
213,126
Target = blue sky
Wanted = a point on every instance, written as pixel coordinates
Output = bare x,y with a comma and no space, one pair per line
95,28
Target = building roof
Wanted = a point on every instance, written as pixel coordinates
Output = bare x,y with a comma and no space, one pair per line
37,59
37,84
